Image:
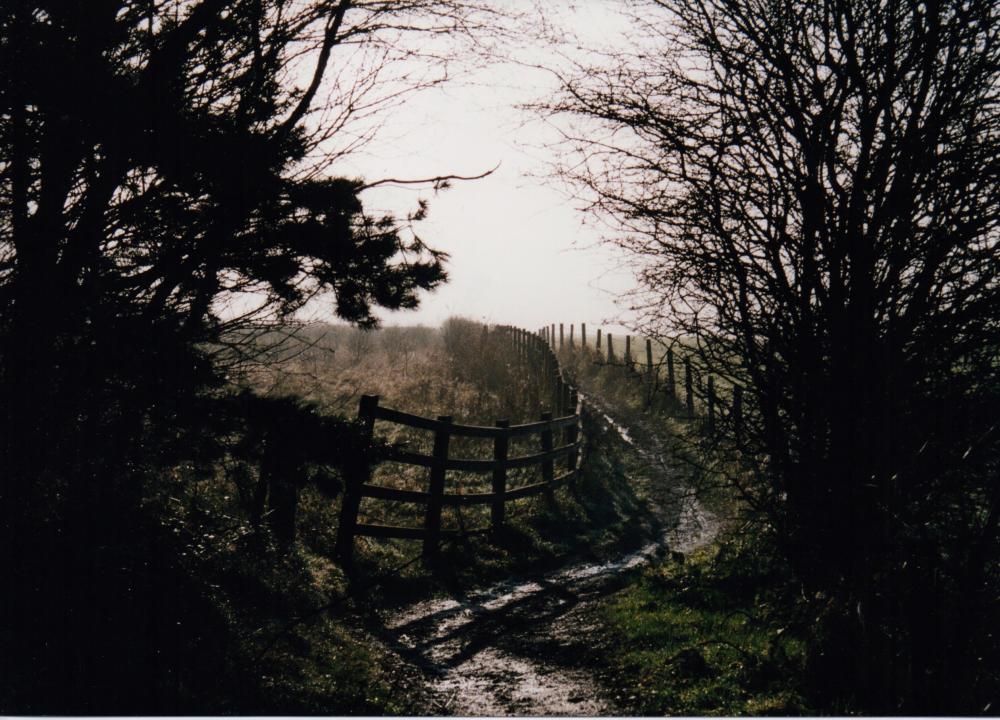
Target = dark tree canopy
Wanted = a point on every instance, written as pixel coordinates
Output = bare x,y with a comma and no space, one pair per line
165,154
811,192
168,187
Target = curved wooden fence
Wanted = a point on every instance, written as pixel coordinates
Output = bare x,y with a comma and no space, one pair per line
439,462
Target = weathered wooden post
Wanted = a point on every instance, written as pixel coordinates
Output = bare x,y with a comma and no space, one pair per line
598,340
671,380
711,403
611,352
628,352
572,431
358,473
737,412
548,468
500,445
560,336
583,335
553,335
688,388
556,389
432,521
571,344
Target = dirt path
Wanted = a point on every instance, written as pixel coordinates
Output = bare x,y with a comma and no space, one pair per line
526,646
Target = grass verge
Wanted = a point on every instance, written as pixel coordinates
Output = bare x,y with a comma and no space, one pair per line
706,635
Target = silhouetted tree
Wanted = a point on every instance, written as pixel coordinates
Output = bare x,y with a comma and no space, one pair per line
167,177
812,191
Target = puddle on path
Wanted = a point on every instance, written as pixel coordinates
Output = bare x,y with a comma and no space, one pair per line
496,683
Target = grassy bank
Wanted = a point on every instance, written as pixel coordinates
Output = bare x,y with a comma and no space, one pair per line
712,635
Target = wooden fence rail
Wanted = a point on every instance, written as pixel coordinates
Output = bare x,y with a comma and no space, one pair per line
527,346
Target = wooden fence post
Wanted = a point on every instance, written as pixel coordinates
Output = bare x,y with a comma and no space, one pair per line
711,403
598,339
556,389
688,388
572,431
553,336
571,343
357,475
611,352
560,336
671,380
432,521
628,352
500,445
548,469
583,334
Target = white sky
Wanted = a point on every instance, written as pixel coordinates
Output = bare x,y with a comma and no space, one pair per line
521,253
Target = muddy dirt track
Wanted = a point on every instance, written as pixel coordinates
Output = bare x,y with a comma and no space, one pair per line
527,646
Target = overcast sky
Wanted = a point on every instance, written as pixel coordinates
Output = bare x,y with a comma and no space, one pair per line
521,253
